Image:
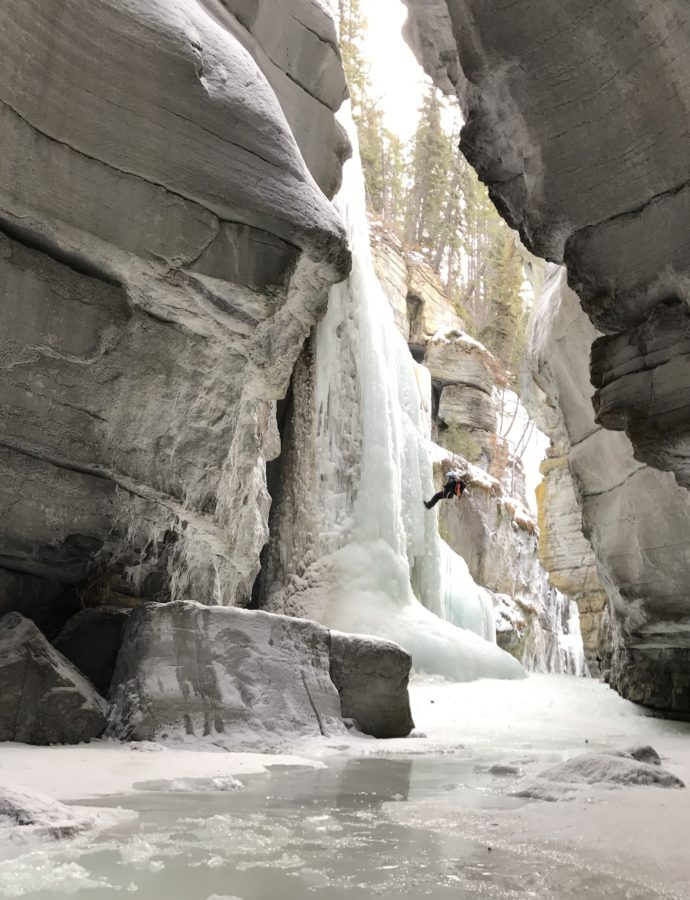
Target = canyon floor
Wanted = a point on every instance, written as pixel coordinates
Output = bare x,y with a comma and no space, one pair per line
434,815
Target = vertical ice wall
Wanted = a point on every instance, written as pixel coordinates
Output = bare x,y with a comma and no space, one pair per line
367,548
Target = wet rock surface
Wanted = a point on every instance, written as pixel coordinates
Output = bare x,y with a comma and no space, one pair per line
371,677
44,699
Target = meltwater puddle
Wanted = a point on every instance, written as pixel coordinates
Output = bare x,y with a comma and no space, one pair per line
302,833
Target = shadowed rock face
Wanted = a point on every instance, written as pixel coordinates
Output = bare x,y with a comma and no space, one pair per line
164,250
45,699
582,139
634,516
576,119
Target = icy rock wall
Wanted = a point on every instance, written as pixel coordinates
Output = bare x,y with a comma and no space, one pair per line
164,251
635,517
581,138
351,543
492,532
496,537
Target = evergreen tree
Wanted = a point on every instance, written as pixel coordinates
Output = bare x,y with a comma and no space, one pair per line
381,150
430,171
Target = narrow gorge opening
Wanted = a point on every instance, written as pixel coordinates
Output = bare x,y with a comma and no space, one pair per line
344,540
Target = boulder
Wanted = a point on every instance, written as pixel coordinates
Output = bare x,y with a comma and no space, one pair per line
45,699
250,676
91,640
43,817
560,782
643,753
371,676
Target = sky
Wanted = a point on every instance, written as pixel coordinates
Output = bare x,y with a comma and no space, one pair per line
398,79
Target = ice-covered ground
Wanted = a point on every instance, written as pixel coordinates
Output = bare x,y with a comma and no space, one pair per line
359,818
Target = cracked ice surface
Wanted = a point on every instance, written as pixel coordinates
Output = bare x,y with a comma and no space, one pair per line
401,819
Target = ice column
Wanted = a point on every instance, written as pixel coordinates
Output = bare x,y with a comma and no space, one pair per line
376,549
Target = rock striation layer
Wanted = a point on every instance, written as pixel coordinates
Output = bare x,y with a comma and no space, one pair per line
250,678
634,516
166,243
581,139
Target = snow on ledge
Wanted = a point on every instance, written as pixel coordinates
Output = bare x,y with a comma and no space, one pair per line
104,768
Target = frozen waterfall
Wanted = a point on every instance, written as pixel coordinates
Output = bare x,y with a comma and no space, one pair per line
368,551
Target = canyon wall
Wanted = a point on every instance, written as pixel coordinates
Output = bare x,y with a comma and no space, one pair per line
635,517
166,244
581,139
478,424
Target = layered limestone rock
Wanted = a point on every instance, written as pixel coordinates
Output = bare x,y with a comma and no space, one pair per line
582,142
164,251
464,373
568,557
474,420
420,305
249,678
497,536
634,516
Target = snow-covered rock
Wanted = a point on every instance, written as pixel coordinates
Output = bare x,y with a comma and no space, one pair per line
242,677
371,677
44,699
43,816
414,291
165,250
91,641
562,781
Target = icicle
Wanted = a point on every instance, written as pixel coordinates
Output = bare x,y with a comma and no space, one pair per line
377,549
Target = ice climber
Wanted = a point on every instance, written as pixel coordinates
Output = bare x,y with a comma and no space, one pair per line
455,486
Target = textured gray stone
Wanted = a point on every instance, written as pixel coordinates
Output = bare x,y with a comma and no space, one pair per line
634,516
245,677
582,141
164,251
621,769
371,676
44,699
414,290
91,641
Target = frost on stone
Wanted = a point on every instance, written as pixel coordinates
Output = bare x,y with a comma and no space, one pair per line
241,677
622,769
37,814
45,699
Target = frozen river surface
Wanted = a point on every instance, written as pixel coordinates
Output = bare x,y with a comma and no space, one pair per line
428,817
